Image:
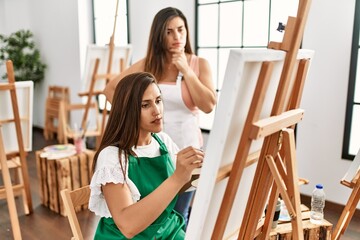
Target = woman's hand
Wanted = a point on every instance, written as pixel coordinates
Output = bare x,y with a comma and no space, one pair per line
187,160
179,59
200,87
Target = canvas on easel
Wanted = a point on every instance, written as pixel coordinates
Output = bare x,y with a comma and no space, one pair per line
250,157
120,60
112,60
102,64
351,179
24,93
16,121
243,69
94,80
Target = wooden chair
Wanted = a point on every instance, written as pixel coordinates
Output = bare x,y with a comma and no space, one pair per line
56,95
70,133
352,180
75,200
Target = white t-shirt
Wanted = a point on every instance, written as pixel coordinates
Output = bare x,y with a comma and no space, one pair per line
108,170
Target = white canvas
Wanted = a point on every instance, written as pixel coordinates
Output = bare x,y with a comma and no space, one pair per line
239,83
353,169
92,53
24,93
102,52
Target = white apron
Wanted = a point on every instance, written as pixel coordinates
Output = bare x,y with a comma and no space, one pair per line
181,124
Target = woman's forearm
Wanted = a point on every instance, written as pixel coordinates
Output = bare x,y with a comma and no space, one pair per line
137,217
203,96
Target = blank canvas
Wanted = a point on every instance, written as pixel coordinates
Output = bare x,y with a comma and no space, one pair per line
24,93
241,76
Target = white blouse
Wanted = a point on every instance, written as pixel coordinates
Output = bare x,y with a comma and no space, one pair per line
108,170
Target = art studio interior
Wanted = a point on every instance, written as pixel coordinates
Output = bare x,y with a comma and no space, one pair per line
284,118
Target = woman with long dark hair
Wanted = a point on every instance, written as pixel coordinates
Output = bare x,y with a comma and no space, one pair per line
138,170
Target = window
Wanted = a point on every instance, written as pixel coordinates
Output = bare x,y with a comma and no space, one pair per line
228,24
104,18
351,140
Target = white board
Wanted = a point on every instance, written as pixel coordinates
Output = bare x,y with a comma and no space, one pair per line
24,93
241,75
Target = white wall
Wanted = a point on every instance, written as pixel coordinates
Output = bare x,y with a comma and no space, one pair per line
14,15
320,134
56,33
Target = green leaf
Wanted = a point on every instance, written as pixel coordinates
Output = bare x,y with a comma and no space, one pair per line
19,47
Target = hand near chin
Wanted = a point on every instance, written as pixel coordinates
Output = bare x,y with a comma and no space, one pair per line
179,59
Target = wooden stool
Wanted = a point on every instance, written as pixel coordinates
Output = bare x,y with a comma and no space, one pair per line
57,174
56,95
310,231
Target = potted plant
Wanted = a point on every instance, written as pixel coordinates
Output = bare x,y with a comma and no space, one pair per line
20,48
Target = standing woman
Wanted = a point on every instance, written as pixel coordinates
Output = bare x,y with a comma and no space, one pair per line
185,81
135,182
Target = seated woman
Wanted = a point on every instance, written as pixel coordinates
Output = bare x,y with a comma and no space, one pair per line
138,170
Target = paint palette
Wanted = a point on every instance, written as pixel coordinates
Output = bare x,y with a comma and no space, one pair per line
58,151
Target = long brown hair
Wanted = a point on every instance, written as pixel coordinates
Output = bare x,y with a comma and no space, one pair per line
123,125
155,55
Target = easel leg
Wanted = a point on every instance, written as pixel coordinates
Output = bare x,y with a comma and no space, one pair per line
259,190
10,198
24,196
286,185
270,213
293,181
347,213
22,154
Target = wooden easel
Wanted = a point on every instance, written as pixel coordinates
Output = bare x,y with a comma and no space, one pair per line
91,101
276,170
65,109
107,77
353,201
92,93
17,159
9,190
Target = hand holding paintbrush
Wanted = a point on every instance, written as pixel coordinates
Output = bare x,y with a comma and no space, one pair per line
84,130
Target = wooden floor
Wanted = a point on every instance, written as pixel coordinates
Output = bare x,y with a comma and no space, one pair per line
45,224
